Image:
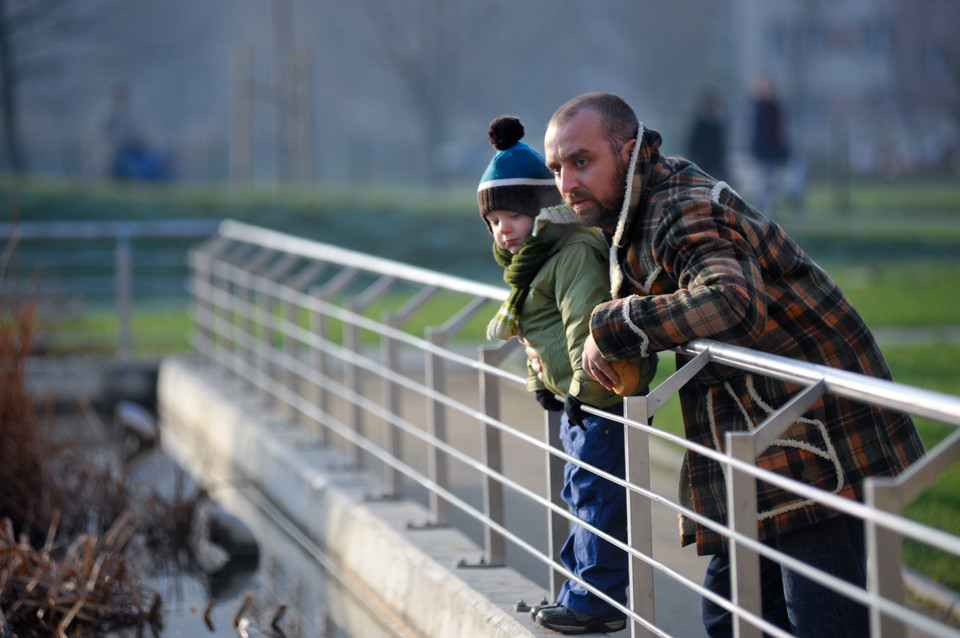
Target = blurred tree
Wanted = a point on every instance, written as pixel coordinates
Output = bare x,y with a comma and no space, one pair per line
14,18
40,38
424,44
25,54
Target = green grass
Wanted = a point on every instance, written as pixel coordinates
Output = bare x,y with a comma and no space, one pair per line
155,331
903,294
896,195
933,367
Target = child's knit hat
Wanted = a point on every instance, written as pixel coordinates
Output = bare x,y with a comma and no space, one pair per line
517,177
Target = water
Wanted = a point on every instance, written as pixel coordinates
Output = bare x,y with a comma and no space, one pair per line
291,590
287,589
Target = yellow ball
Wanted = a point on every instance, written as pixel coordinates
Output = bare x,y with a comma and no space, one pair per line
629,377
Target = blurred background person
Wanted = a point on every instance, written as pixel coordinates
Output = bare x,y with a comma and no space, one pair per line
779,170
131,157
707,141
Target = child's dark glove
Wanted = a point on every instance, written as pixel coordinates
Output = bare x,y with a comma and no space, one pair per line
572,408
549,402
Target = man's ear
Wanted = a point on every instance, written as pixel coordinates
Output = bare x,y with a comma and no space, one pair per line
627,150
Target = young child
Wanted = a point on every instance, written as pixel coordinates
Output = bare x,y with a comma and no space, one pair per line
557,270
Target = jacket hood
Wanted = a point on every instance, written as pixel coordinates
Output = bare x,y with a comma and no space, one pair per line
554,222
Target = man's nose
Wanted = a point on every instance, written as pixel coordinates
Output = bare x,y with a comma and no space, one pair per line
566,181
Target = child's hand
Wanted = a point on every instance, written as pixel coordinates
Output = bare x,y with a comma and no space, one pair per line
534,359
549,402
574,412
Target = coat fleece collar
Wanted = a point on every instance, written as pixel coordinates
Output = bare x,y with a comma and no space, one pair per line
638,171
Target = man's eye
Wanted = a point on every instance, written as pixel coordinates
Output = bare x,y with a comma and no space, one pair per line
581,162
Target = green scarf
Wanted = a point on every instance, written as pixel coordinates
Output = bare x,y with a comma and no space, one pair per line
518,271
552,226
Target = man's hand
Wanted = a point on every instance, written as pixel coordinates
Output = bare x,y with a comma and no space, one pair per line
534,359
597,365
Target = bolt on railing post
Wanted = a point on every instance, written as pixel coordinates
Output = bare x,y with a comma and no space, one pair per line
437,427
639,514
742,514
884,549
491,447
123,274
558,527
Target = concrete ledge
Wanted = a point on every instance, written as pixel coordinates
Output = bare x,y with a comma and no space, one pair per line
226,435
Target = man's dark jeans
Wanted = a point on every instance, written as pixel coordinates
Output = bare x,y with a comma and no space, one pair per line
791,601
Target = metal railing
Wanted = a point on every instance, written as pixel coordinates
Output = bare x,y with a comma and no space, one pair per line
90,279
323,332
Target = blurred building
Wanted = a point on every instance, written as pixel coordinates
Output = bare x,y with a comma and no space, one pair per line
299,91
870,84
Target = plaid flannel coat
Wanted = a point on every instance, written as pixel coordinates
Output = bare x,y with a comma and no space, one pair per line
689,259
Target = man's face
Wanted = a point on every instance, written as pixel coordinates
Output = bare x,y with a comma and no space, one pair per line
589,174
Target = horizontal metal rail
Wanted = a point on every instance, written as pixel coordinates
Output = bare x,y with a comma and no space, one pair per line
370,354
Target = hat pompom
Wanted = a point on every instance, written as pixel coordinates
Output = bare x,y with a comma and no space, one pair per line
505,131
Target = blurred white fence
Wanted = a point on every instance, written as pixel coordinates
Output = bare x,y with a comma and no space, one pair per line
90,280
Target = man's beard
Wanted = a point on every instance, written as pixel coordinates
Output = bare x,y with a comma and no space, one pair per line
606,214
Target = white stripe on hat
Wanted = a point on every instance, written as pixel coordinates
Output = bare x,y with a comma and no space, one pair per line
515,181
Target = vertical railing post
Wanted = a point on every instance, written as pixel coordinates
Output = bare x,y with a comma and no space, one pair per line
353,380
639,514
884,549
288,371
742,513
123,275
230,351
300,350
201,274
358,305
558,527
391,390
317,361
437,427
264,336
292,345
243,325
280,342
391,402
492,450
257,317
219,312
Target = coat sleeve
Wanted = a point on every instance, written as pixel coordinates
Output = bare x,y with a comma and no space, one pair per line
710,285
581,283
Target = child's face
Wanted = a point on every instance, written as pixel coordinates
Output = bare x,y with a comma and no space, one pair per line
510,228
